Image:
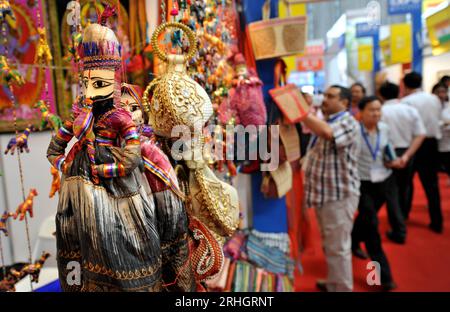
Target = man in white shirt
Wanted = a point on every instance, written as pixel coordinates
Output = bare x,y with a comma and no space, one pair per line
407,133
378,185
427,158
441,91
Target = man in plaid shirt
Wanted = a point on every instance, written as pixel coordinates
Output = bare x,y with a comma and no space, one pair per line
332,183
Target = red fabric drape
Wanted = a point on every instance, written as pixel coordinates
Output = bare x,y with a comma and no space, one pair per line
299,227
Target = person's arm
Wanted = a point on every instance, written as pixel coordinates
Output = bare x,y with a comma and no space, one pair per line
318,127
57,146
416,143
419,137
131,153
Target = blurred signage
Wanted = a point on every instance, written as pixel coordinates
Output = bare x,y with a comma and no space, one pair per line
438,26
366,30
365,57
404,6
312,59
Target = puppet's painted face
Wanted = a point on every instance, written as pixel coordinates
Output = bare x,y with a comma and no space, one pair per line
98,84
130,104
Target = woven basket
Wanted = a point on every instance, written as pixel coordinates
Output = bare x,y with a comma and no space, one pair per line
277,37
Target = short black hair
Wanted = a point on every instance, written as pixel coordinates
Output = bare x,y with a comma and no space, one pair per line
413,80
345,93
439,85
389,90
445,79
359,84
366,100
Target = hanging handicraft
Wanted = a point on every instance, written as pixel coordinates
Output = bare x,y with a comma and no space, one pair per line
174,99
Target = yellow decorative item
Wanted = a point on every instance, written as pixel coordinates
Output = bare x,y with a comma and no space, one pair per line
174,99
401,43
7,14
9,75
43,53
365,57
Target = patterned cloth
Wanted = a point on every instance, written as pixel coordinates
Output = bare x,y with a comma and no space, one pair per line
331,169
274,240
172,220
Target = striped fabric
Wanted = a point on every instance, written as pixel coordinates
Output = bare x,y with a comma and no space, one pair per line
64,134
113,170
130,134
163,175
269,258
59,161
104,141
83,123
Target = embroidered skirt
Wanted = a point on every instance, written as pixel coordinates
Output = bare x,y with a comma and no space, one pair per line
107,237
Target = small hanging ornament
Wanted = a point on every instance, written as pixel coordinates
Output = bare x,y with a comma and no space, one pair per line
20,142
43,53
9,76
32,269
5,216
174,12
47,118
6,11
26,206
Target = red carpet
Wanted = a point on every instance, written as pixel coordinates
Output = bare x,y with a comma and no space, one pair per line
422,264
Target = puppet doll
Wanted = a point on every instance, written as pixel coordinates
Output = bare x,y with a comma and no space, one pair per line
105,220
171,216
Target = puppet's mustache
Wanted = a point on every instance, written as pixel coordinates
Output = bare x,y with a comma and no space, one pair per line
99,98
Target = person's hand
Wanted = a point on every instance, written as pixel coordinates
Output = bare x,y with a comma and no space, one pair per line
395,164
405,159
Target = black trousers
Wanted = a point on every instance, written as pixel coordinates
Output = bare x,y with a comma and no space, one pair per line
445,162
426,164
365,228
404,179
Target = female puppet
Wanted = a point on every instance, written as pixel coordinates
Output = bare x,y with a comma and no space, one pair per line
172,222
106,234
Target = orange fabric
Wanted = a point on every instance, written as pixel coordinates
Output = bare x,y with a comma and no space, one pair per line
247,49
298,223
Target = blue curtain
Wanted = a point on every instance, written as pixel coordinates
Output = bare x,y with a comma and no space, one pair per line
268,215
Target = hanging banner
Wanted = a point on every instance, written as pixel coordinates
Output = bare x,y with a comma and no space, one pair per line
371,30
429,4
438,26
365,57
404,6
413,7
385,47
401,43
